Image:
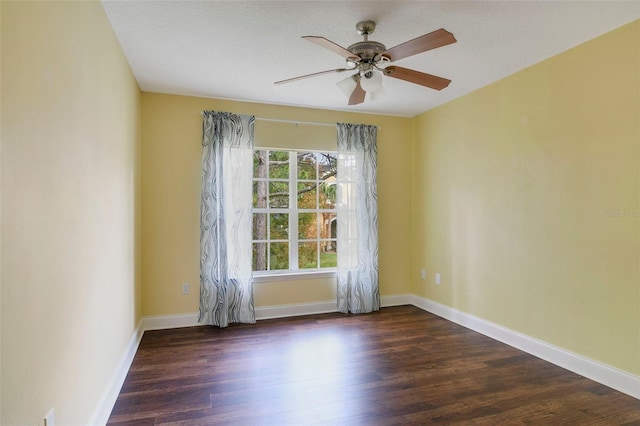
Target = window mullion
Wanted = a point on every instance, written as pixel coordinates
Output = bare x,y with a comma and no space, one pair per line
319,216
268,225
293,205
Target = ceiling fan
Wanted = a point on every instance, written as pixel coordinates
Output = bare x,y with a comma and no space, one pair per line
370,60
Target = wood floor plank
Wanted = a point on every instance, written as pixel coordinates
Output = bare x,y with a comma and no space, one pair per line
397,366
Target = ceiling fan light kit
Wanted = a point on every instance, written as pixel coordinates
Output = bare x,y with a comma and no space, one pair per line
371,81
348,85
370,60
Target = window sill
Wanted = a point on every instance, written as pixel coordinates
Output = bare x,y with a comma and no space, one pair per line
293,276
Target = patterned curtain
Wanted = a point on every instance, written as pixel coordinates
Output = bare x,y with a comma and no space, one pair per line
226,286
357,211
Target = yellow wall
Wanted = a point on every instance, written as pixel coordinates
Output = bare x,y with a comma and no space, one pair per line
515,194
1,68
70,221
526,199
171,163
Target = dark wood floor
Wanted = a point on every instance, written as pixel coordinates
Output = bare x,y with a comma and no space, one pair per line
397,366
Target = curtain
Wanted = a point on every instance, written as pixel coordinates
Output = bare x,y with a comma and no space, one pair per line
357,211
226,286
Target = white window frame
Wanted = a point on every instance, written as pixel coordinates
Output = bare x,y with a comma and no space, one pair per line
294,272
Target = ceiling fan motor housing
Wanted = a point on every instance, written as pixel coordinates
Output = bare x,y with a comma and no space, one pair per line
367,50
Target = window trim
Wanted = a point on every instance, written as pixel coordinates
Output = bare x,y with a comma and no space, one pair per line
287,275
293,211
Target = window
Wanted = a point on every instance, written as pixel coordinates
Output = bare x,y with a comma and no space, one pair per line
294,216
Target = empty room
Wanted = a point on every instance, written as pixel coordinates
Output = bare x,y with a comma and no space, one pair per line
319,212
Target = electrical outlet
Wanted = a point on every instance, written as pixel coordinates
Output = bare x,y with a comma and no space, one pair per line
185,288
423,274
50,418
438,278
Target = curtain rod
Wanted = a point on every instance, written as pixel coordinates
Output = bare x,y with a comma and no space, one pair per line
311,123
296,122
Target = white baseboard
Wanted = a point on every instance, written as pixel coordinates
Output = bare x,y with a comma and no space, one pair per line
396,300
266,312
605,374
282,311
102,411
163,322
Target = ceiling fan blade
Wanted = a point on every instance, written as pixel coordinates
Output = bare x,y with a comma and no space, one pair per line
301,77
328,44
357,96
437,38
417,77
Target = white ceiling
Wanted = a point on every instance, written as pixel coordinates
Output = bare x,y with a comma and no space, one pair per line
237,49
